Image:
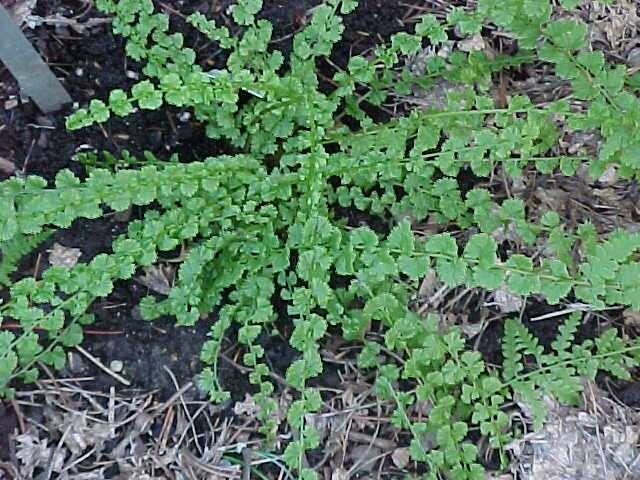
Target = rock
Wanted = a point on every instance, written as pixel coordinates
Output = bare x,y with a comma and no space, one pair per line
116,366
633,57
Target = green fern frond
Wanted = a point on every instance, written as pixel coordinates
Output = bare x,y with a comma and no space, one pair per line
15,249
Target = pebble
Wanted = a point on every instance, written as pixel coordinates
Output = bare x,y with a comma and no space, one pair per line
116,366
75,363
633,57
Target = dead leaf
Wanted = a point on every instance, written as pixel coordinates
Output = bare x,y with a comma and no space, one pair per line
340,474
364,458
631,318
429,285
470,330
19,10
633,57
247,407
609,177
472,44
33,452
157,278
506,301
325,425
61,256
82,433
7,166
400,457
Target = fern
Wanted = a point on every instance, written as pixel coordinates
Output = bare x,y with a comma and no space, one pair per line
14,250
463,389
264,222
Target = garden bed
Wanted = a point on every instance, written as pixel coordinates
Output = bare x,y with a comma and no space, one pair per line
160,361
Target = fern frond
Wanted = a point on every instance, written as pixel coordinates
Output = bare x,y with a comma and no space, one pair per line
15,249
566,336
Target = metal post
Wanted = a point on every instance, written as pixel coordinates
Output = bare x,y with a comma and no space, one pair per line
33,75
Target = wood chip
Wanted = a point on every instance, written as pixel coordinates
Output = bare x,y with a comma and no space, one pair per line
11,103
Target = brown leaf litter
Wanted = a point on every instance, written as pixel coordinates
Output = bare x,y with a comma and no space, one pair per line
596,441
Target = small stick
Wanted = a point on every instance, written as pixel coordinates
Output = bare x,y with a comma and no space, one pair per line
102,367
247,457
28,157
37,267
112,406
172,10
19,416
173,398
573,308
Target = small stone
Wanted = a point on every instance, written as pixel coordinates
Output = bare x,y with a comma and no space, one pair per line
76,365
633,57
79,72
184,117
132,75
116,366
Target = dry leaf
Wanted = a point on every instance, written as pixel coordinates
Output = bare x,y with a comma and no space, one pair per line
61,256
19,10
470,330
7,166
248,407
633,57
82,434
364,458
631,318
157,278
472,44
429,285
34,452
340,474
609,177
400,457
594,442
506,301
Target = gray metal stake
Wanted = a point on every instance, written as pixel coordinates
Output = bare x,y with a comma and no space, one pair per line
34,76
